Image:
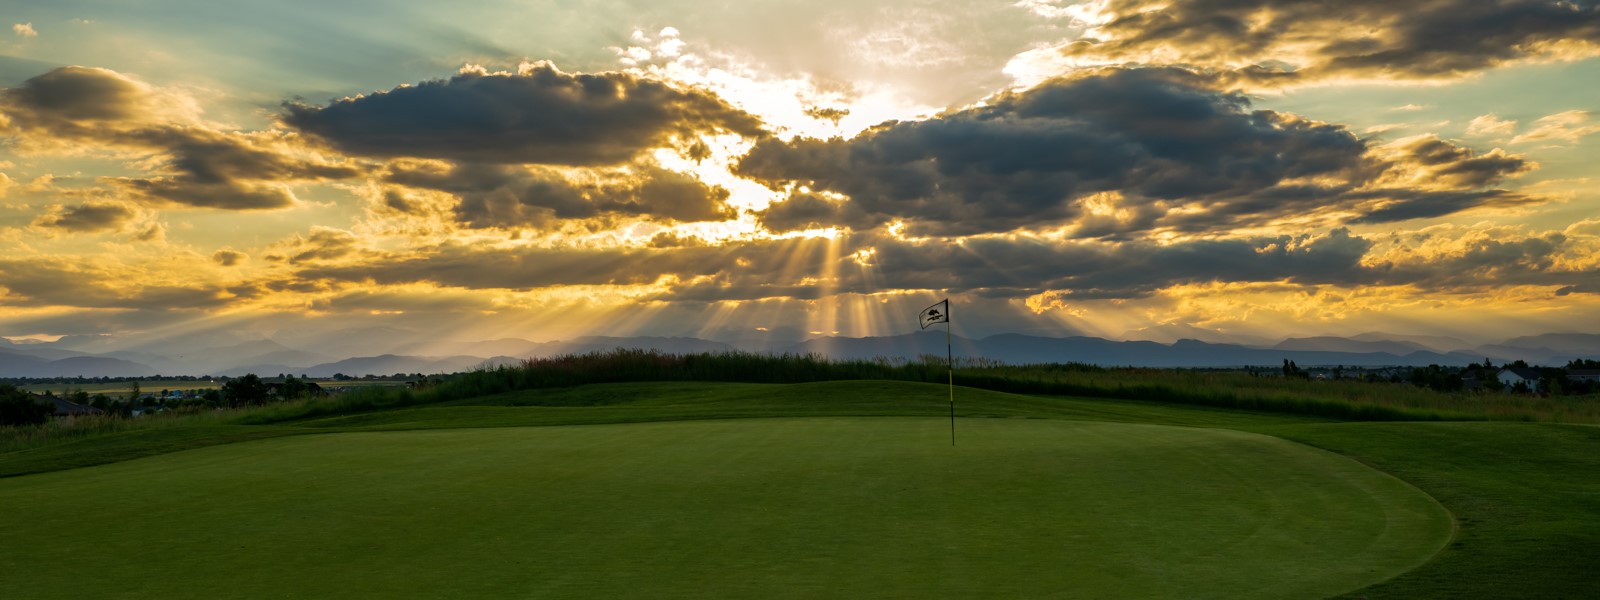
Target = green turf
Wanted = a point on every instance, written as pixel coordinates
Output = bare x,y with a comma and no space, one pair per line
638,402
818,507
1525,495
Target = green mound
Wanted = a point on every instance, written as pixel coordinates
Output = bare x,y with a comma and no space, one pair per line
814,507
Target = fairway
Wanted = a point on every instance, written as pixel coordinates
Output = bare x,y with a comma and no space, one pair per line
835,507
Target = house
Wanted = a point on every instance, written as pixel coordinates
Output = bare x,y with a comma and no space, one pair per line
1583,375
309,388
65,408
1511,376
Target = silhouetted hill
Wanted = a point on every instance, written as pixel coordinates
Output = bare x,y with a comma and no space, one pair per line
79,366
270,357
1339,344
390,364
1583,344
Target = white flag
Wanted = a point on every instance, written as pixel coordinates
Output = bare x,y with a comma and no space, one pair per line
938,313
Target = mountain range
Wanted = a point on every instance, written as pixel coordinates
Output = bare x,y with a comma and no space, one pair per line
387,352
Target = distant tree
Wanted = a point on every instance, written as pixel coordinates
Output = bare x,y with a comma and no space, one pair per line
1293,370
247,390
293,388
133,395
212,398
1491,382
19,408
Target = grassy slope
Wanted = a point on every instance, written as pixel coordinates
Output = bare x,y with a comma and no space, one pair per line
1524,494
636,402
836,507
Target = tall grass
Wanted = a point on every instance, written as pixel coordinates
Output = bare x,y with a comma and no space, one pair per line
1347,400
69,429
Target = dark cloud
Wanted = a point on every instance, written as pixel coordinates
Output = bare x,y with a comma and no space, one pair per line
821,113
802,211
990,266
322,244
87,218
193,163
518,196
1288,41
234,195
51,282
234,171
538,116
1443,165
1114,152
1394,205
455,265
73,99
228,257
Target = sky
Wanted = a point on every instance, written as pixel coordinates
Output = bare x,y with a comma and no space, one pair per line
1128,169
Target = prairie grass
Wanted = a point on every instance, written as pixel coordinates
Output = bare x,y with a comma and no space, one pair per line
1345,400
69,429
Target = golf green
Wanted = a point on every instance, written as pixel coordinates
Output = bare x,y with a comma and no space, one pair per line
794,507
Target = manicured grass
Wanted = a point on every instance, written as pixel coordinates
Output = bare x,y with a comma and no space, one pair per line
1525,496
638,402
123,439
816,507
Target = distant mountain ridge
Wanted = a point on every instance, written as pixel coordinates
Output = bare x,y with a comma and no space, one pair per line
406,355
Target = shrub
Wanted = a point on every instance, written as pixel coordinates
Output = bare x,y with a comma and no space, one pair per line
19,408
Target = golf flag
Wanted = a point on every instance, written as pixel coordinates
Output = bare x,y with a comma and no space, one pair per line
938,313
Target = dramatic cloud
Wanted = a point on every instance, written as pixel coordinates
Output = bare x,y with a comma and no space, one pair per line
538,197
87,218
802,211
1000,267
323,244
539,115
1427,162
1283,41
85,103
229,257
193,163
1115,152
97,284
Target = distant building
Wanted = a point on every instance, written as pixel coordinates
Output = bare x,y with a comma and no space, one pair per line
1511,376
1583,375
65,408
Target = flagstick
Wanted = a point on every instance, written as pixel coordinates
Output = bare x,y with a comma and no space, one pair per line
950,361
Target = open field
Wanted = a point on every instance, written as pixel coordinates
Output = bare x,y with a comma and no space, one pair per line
686,487
120,387
112,388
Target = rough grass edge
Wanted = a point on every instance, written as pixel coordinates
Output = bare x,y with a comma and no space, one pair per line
632,365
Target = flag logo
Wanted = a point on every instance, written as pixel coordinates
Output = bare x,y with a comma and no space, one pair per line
938,313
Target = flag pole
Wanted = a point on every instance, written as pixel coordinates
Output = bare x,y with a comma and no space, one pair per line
950,362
